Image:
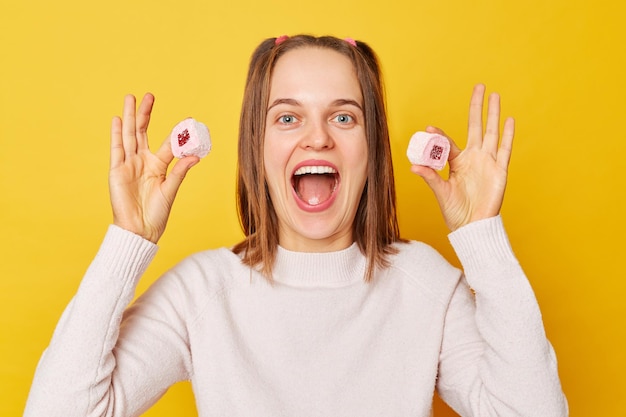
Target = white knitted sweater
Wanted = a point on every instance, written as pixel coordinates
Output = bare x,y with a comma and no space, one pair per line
319,342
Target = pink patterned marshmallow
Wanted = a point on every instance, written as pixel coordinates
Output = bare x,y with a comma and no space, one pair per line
190,137
429,149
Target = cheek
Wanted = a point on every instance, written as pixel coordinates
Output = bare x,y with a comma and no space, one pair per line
363,172
358,159
274,162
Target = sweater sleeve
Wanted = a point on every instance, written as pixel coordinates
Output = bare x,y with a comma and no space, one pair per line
495,357
99,361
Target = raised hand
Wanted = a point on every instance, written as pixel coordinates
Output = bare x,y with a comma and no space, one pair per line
475,187
142,192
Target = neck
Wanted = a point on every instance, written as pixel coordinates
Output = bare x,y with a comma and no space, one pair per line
332,243
327,269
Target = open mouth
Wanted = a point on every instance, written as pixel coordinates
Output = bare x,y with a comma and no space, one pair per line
315,184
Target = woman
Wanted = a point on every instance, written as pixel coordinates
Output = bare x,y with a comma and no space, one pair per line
323,310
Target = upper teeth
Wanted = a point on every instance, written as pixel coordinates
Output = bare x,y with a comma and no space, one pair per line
315,170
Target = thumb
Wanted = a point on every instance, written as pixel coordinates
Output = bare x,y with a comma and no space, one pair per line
176,176
430,176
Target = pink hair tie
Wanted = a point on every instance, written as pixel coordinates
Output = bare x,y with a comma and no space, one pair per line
350,41
281,39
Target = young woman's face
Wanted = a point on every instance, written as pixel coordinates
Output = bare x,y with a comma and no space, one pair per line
315,150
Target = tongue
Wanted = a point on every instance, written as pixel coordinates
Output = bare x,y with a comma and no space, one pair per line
315,188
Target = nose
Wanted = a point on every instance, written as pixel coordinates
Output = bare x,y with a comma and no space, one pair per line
317,137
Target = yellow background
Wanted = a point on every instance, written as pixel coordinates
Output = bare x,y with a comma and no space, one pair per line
559,66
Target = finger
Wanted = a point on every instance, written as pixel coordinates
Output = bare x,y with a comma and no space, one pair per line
164,153
175,178
128,126
475,121
454,149
117,148
506,146
143,120
492,128
434,129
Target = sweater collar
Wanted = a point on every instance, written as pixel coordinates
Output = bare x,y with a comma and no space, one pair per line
326,269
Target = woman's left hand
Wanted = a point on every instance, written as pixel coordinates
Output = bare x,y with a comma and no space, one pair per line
475,187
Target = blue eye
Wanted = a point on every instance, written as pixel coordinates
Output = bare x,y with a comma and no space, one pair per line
344,118
287,119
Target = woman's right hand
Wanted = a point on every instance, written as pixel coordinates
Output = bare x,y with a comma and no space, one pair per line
142,192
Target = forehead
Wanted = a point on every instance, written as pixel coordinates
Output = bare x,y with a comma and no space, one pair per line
314,71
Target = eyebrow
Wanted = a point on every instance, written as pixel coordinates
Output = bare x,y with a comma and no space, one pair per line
289,101
345,101
293,102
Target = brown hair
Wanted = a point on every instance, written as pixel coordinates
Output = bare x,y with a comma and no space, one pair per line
375,227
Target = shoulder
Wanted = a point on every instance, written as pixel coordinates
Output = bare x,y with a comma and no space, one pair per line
201,277
414,256
213,268
200,282
219,261
423,266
